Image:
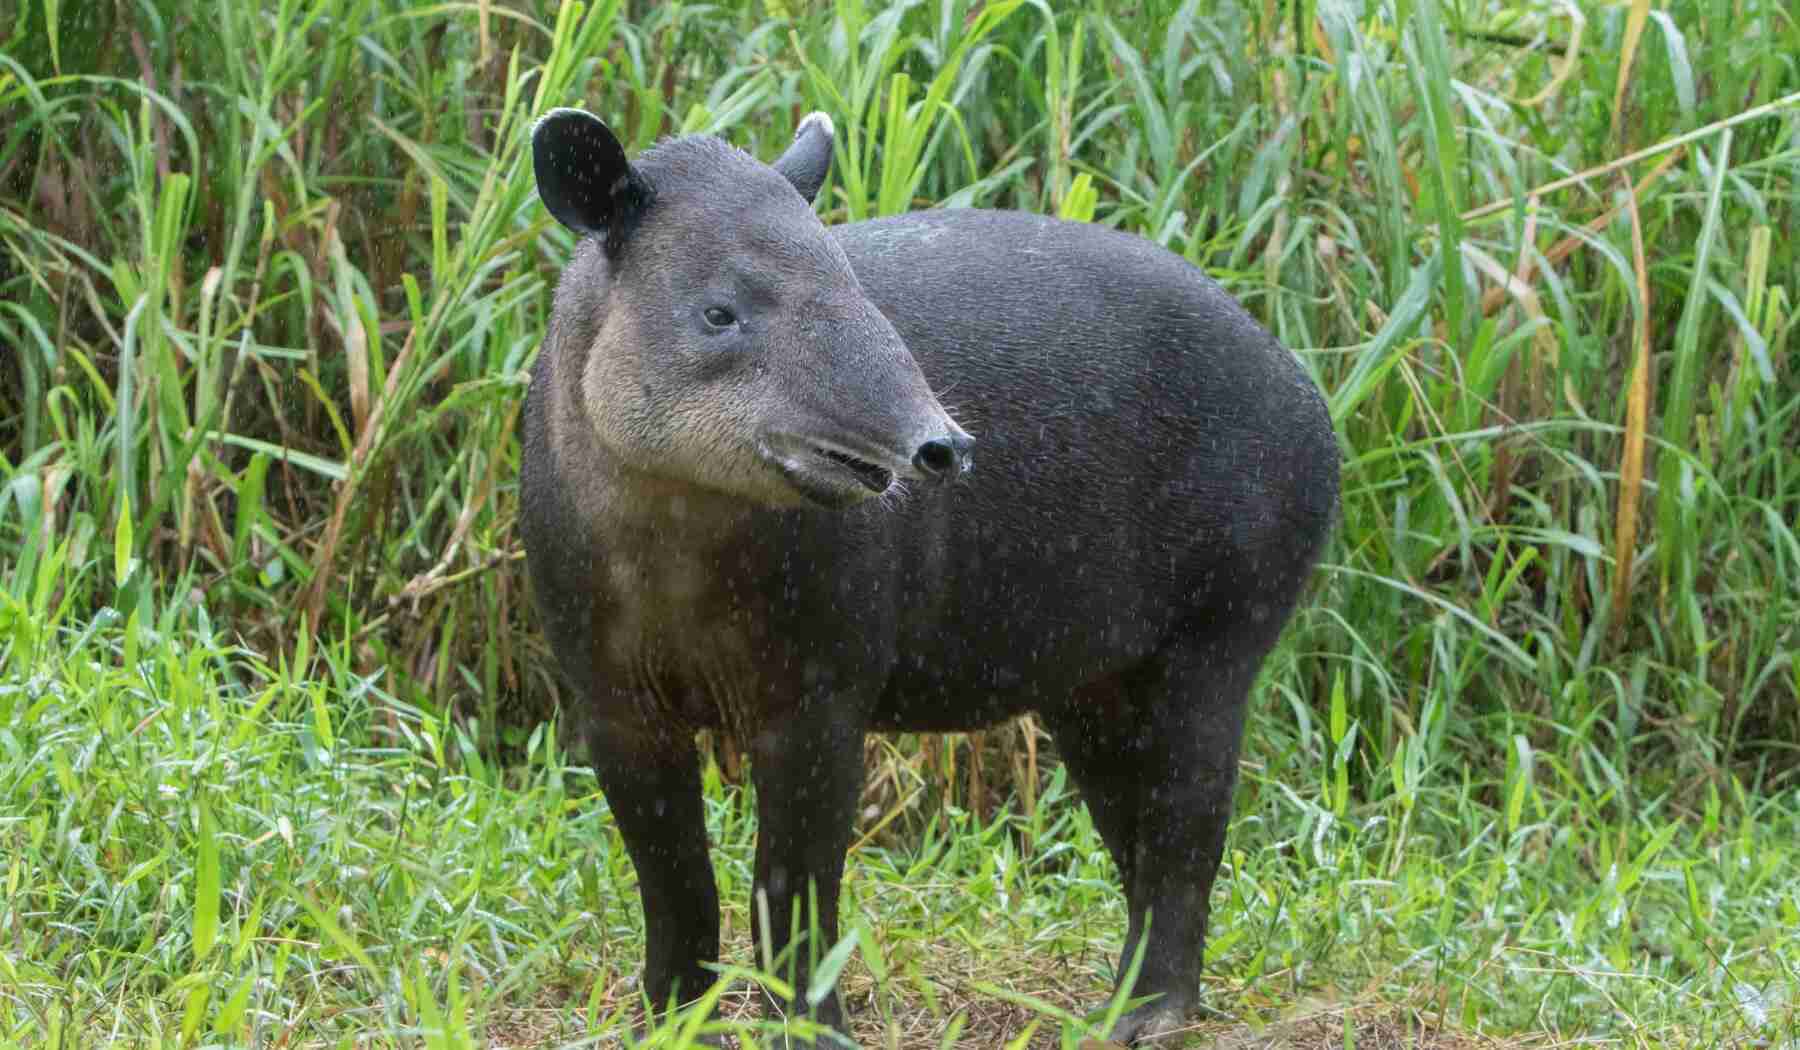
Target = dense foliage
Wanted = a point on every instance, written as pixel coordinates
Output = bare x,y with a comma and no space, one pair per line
275,278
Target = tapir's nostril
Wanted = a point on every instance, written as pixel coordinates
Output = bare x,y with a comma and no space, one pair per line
944,456
935,457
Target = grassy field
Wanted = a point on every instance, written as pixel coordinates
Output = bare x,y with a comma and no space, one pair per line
281,757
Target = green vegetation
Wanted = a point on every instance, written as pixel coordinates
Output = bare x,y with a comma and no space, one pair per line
279,763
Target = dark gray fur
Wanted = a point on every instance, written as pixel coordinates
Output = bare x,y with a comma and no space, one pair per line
1155,477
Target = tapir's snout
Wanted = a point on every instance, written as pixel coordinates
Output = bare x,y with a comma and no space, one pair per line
942,458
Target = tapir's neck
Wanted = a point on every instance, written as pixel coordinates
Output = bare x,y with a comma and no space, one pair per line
639,507
627,505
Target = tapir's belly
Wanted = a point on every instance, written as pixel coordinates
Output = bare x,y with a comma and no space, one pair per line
951,625
1019,623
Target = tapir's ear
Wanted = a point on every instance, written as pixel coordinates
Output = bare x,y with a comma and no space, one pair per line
808,160
583,177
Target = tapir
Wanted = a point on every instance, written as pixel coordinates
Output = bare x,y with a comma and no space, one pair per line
796,483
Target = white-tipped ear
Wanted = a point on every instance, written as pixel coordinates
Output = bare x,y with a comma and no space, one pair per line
583,177
808,160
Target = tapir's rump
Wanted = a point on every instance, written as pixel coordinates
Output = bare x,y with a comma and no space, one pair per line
924,473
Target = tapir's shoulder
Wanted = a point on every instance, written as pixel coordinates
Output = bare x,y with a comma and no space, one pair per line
1026,265
1016,241
1001,227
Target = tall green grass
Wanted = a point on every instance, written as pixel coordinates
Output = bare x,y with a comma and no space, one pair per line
272,279
275,278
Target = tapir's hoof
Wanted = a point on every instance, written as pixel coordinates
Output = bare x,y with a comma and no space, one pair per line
1154,1025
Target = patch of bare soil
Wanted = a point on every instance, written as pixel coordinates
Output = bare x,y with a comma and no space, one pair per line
1314,1027
990,1023
942,980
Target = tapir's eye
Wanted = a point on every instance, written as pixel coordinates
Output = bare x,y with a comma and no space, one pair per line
719,317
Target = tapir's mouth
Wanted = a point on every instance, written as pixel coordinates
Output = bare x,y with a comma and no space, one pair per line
872,477
828,475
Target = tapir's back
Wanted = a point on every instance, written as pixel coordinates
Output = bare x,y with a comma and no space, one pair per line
1146,453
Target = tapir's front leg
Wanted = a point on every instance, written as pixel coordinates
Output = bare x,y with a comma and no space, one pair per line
808,769
652,785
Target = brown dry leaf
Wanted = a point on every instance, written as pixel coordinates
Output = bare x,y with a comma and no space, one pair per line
1634,34
1637,411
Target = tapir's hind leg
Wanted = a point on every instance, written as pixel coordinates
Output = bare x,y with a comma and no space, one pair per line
653,789
1158,767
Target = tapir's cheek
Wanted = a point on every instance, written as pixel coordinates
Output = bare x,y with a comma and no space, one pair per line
720,359
712,367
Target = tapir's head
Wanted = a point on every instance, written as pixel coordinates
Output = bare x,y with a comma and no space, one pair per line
722,338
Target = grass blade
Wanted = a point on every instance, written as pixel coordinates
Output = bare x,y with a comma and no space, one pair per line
206,886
